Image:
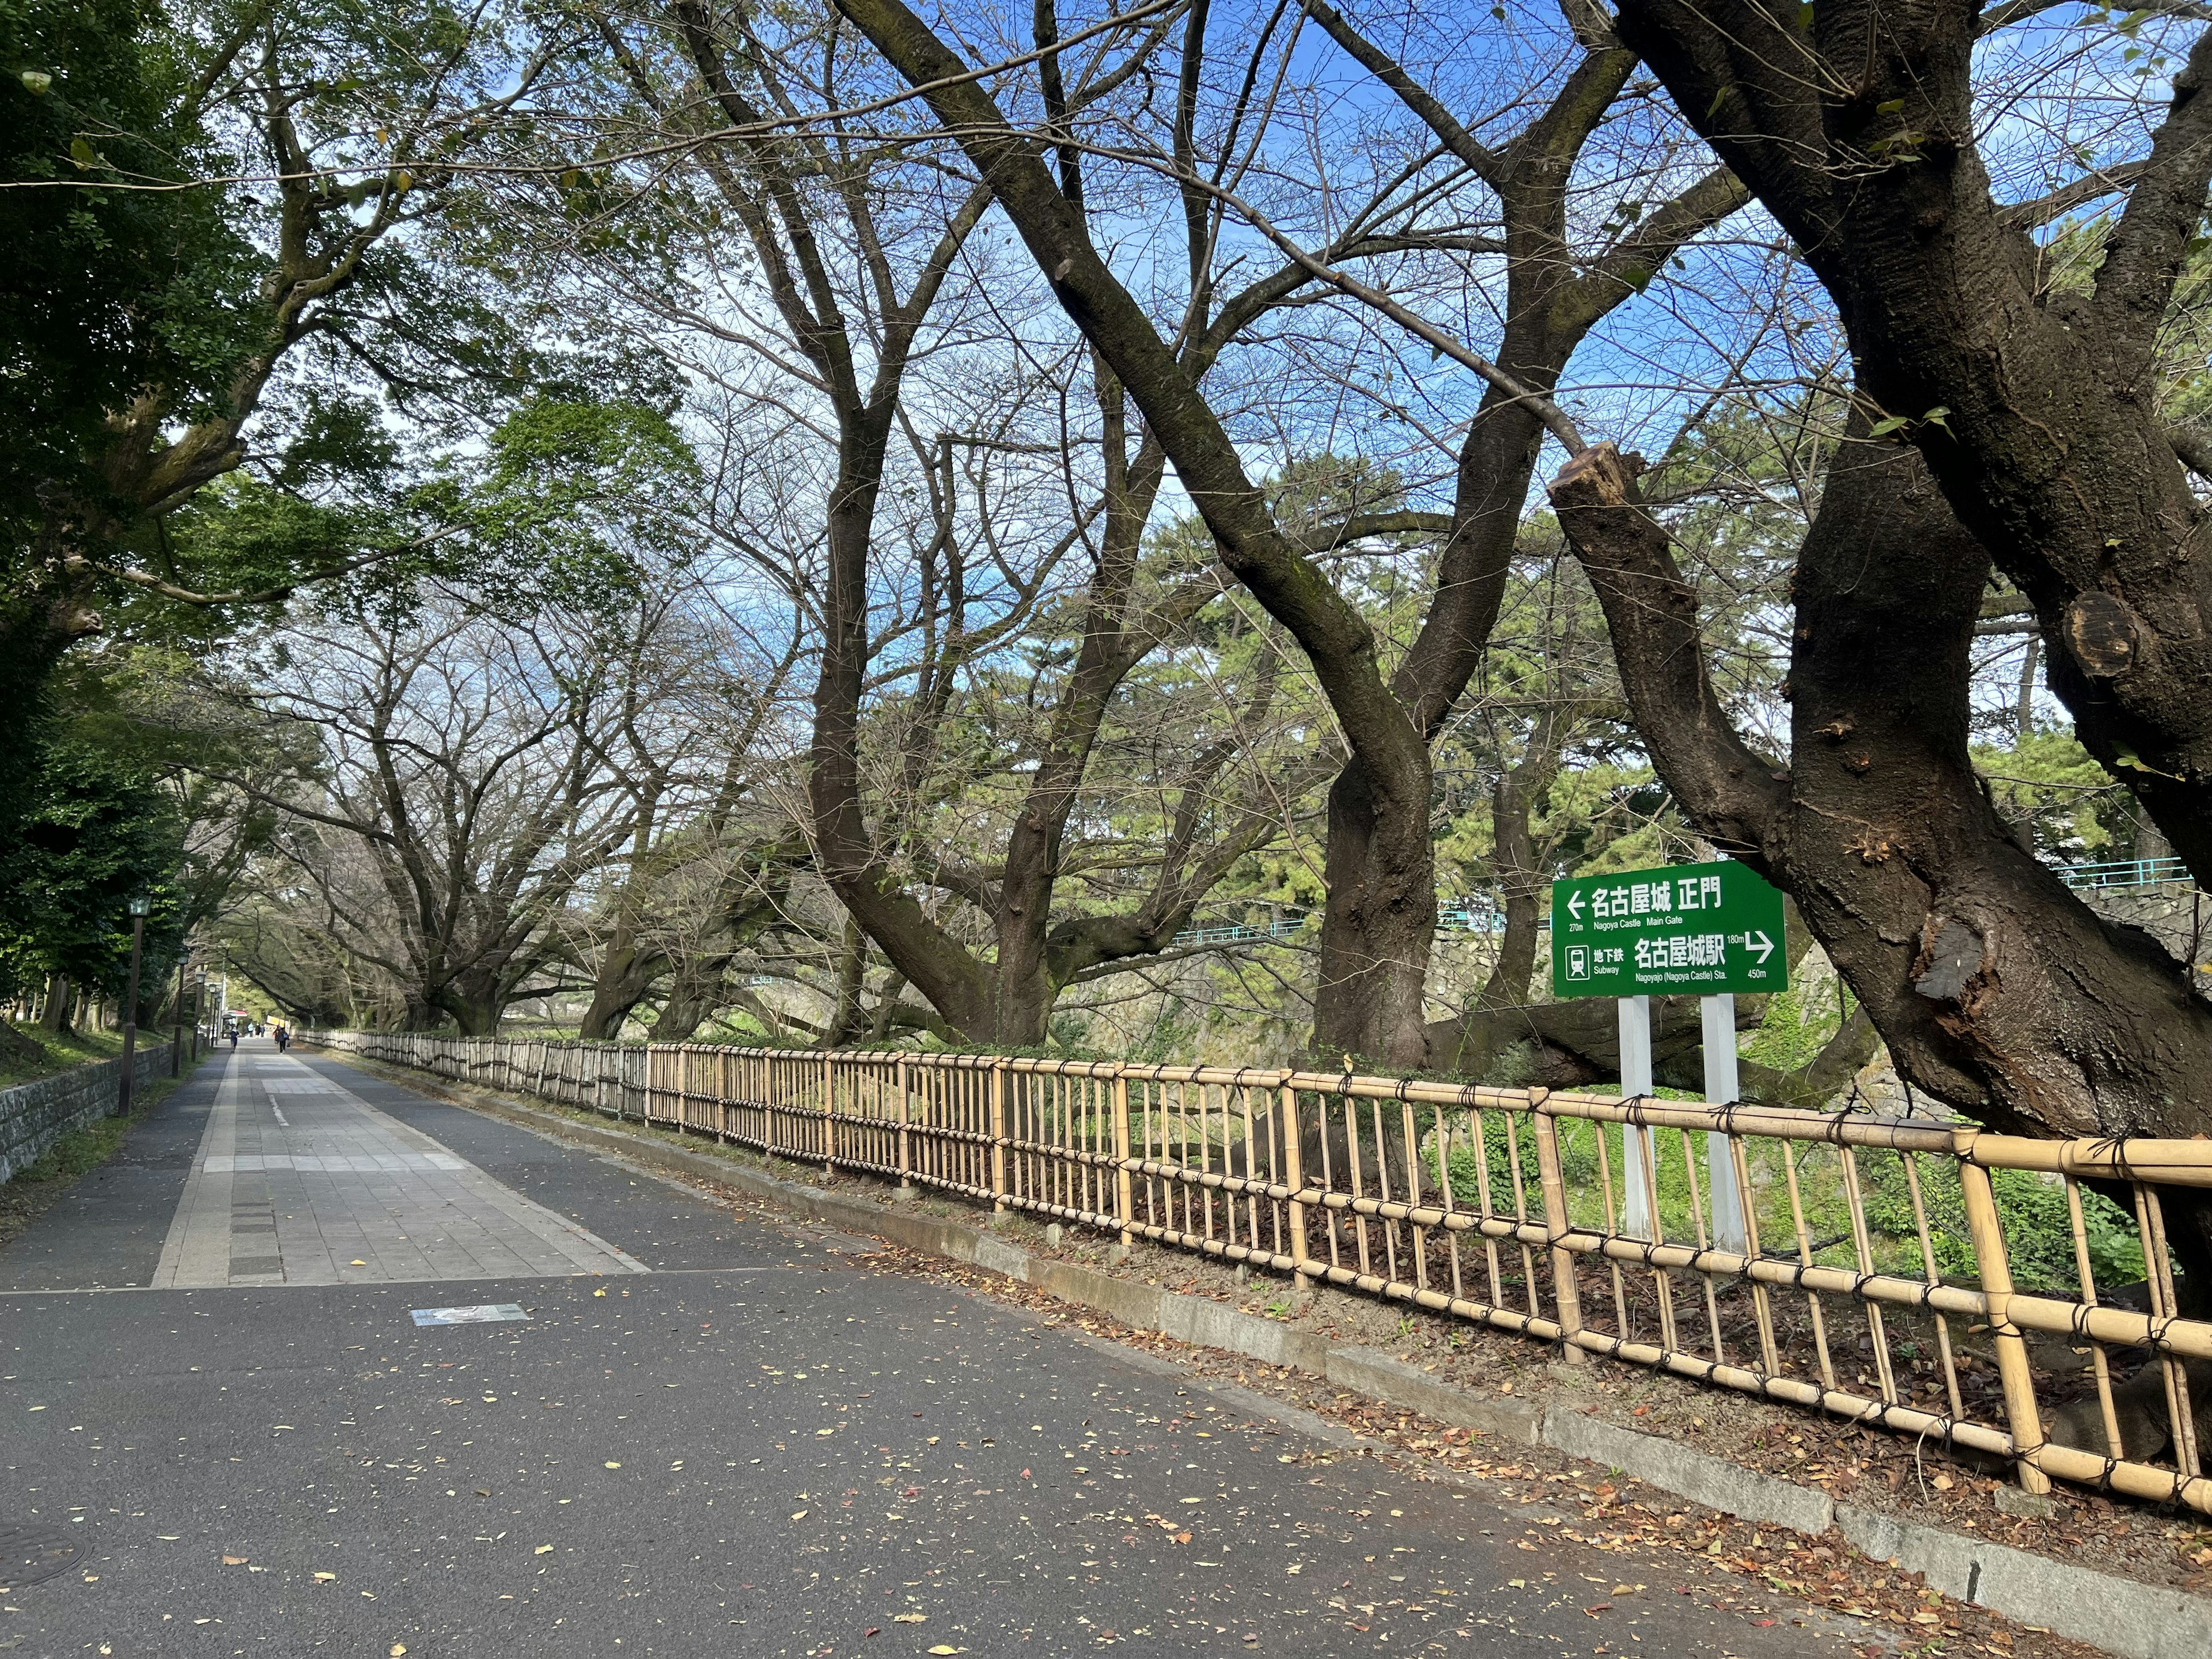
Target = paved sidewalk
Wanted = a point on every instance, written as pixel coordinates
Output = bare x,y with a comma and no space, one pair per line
760,1446
301,1182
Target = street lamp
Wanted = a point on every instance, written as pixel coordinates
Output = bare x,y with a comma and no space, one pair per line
141,906
177,1041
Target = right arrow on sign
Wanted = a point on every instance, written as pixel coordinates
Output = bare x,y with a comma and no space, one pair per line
1759,942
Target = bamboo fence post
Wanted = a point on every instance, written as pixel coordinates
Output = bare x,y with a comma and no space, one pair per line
1125,1198
998,1135
1294,1174
1565,1291
1988,1233
828,1111
905,1133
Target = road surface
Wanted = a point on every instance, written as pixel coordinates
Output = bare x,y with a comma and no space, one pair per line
221,1422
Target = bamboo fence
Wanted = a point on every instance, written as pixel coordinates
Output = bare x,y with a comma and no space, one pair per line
1509,1208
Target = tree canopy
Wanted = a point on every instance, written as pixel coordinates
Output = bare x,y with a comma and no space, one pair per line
920,524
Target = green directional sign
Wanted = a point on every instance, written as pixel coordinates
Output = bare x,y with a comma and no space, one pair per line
1697,928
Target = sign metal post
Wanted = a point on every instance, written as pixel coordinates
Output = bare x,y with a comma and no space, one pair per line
1722,1087
1635,1141
1709,930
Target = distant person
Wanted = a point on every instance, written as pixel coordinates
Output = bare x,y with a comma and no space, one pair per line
233,1039
283,1039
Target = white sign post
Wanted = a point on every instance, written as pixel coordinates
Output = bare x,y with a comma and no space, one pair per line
1718,1014
1635,1142
1708,930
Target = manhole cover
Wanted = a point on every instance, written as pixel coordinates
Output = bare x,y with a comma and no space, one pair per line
30,1553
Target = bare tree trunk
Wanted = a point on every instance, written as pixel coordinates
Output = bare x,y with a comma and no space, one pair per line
847,1016
1379,915
626,971
1995,987
61,1003
1380,922
1855,124
695,995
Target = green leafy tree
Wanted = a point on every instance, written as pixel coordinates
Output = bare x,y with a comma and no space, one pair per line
101,831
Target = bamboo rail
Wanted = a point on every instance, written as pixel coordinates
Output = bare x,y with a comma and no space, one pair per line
1506,1207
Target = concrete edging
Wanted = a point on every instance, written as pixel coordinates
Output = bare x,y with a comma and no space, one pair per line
2119,1615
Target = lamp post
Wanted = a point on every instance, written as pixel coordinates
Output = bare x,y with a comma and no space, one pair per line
177,1039
141,906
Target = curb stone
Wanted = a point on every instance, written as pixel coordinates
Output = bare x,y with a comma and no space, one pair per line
1713,1481
2120,1616
2117,1615
1391,1380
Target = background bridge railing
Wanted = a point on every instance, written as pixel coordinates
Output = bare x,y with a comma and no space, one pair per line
2016,1298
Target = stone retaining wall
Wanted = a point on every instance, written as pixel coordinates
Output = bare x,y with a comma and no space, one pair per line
35,1115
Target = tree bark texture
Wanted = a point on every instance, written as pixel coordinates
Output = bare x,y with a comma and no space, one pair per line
1379,917
1995,987
1853,122
1291,588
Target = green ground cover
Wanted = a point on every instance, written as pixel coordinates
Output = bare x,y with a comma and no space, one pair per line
58,1052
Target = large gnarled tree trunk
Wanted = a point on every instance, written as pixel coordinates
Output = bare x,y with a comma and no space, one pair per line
1994,985
1379,922
1854,124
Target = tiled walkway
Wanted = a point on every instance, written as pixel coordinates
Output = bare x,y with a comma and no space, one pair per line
300,1182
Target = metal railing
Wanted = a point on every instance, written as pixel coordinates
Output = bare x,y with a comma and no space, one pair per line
1238,933
2124,873
1934,1279
1461,917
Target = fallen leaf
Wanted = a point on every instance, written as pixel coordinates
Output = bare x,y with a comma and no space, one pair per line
910,1619
399,1651
543,1549
1516,1583
799,1514
819,1433
327,1578
614,1466
233,1560
947,1647
356,1262
1942,1483
600,1292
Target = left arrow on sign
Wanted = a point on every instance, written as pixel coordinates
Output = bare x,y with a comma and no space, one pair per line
1574,906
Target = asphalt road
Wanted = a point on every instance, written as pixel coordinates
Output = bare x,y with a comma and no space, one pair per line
757,1447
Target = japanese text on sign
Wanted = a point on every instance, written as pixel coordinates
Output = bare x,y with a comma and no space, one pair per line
1705,928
